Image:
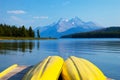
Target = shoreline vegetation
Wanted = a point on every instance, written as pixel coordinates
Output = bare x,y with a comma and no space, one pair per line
24,38
110,32
8,32
12,32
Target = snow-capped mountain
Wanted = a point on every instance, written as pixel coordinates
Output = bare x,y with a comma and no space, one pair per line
66,26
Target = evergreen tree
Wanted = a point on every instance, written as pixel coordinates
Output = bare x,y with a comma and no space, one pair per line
23,31
31,33
38,33
1,31
14,31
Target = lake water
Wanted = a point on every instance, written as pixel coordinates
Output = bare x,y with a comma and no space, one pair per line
105,53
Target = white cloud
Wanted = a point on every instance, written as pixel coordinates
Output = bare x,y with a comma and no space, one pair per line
16,12
40,17
21,21
15,18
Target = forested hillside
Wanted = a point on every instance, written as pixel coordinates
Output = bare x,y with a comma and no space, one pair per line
14,31
111,32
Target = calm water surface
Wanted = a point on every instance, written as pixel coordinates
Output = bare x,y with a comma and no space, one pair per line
105,53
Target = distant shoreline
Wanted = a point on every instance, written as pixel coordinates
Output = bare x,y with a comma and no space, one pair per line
24,38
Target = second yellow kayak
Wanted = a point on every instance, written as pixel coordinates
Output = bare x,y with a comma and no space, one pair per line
80,69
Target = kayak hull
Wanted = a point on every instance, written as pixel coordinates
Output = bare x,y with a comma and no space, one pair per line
49,69
80,69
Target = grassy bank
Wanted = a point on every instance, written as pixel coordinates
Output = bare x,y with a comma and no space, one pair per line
24,38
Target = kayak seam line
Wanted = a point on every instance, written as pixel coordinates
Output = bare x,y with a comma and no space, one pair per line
77,69
45,66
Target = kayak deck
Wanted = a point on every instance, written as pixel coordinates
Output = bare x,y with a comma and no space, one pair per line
17,73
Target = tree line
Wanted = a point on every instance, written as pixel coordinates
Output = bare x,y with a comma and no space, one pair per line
14,31
95,35
111,32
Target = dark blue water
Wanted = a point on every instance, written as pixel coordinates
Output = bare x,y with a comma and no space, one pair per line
105,53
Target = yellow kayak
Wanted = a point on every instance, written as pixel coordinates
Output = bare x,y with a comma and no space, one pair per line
6,71
49,69
80,69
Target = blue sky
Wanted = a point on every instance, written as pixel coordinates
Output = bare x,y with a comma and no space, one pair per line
43,12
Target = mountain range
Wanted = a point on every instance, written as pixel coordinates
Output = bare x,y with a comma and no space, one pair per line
66,27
